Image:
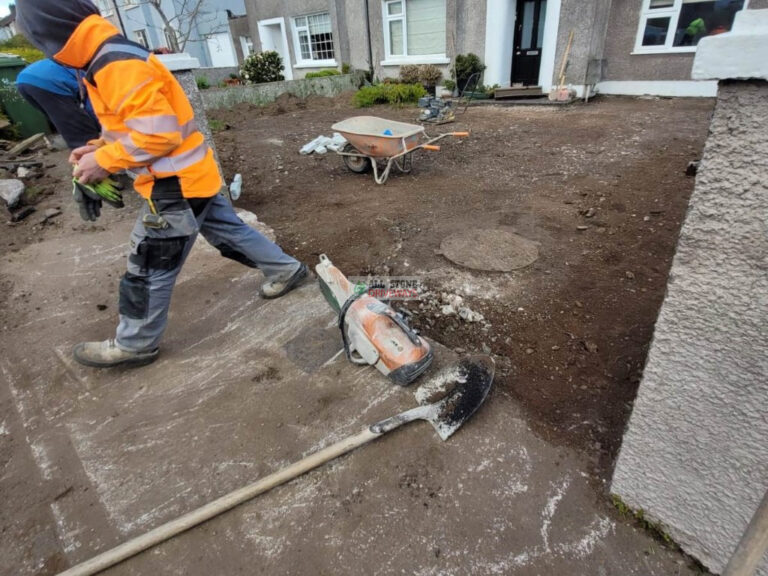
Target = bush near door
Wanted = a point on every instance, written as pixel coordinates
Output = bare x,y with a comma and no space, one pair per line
262,67
464,67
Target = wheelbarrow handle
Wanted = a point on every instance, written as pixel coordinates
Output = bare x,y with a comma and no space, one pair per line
432,147
460,134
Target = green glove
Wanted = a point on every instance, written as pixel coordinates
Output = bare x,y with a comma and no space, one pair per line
107,190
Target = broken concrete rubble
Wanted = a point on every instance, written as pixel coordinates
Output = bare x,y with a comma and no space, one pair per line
11,191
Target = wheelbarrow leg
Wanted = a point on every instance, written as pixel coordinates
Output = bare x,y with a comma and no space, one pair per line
380,179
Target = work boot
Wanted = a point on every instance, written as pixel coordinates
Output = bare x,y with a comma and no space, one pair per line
107,354
276,288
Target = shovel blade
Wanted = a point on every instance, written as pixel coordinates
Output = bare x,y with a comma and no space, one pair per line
473,383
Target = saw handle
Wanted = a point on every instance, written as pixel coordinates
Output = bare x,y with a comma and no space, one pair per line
227,502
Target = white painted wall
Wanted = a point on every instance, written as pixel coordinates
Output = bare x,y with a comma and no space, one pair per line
499,39
549,49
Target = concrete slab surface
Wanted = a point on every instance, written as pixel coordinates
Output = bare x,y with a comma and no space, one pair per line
90,458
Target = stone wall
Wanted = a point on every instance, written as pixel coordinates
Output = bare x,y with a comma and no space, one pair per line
695,455
261,94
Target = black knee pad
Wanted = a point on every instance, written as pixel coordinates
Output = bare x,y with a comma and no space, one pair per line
229,252
134,296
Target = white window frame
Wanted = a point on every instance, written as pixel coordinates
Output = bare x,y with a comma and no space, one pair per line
673,12
148,45
397,59
301,62
106,8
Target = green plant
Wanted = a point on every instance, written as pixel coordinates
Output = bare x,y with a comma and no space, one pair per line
202,83
322,73
396,94
262,67
491,90
22,48
449,85
346,68
464,67
216,125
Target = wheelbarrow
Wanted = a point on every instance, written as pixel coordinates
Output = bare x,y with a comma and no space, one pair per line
372,140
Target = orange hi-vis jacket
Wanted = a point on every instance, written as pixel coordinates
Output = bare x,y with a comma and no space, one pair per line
148,125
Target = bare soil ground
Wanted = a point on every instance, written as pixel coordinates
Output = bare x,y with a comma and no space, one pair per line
600,187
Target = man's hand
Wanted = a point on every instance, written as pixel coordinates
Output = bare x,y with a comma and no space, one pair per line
78,153
88,170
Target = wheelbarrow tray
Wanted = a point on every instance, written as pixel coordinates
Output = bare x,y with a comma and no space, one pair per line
366,134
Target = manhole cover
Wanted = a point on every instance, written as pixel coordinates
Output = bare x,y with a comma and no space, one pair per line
490,250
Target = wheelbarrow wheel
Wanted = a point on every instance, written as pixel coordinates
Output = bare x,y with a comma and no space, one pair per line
356,164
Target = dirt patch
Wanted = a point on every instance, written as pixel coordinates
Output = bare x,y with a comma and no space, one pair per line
601,189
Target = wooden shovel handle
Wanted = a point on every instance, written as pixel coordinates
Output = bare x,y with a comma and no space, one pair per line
432,147
212,509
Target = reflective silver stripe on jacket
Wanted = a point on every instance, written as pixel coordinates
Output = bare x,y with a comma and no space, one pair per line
181,161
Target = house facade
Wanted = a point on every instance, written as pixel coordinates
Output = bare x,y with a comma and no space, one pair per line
618,46
202,26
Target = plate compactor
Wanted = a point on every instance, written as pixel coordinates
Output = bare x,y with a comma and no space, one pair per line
372,332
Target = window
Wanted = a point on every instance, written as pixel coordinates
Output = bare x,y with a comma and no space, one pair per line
141,37
678,25
414,30
313,40
170,38
105,7
246,44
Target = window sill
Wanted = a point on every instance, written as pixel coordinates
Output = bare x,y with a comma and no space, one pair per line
400,61
317,64
681,50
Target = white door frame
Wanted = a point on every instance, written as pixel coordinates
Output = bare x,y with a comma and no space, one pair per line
549,47
261,25
499,38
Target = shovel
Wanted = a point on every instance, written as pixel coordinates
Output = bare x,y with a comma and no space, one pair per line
468,383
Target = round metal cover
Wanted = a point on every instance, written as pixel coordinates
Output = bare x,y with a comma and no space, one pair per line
489,250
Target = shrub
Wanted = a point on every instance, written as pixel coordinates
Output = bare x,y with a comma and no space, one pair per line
426,74
388,94
450,85
322,73
22,48
464,67
202,83
262,67
346,68
409,74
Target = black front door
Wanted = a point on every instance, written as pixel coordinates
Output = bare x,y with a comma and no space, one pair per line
529,37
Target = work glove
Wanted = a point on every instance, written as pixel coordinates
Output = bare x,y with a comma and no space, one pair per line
90,196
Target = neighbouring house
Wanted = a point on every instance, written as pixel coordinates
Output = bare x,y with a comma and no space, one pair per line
618,46
202,27
8,24
239,28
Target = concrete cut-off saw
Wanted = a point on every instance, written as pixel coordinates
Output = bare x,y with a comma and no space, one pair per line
372,332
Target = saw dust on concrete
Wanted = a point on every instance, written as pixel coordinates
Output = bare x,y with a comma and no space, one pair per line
600,188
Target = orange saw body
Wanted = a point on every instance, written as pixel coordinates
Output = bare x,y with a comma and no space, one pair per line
372,331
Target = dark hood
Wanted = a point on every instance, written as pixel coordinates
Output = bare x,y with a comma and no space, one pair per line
48,24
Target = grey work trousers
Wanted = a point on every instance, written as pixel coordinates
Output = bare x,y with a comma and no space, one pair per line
157,256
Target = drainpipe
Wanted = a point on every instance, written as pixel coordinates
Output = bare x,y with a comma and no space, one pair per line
368,35
119,17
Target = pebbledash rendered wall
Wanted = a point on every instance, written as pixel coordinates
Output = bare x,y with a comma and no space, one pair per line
695,455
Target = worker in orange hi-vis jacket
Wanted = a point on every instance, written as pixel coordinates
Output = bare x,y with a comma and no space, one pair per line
148,127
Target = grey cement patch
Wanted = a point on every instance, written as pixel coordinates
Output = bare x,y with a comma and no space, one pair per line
105,455
489,250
